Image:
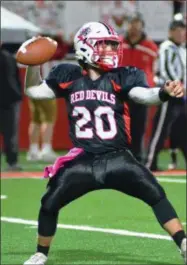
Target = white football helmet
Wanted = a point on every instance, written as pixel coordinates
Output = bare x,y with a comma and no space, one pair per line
87,50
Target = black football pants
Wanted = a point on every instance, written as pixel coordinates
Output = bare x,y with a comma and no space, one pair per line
117,170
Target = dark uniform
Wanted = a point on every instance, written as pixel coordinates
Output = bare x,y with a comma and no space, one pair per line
99,119
10,103
99,124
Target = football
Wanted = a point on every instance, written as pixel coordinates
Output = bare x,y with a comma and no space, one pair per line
36,51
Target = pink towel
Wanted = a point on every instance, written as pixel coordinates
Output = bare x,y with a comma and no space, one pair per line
51,170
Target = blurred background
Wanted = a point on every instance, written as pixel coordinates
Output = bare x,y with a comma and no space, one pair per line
144,25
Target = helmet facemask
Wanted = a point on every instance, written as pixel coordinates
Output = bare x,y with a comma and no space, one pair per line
107,53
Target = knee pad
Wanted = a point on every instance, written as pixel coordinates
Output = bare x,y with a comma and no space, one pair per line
50,202
154,195
164,211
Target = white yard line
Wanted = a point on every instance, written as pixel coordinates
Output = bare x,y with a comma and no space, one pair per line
89,228
171,180
3,197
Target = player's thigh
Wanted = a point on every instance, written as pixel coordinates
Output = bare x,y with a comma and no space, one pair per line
49,110
35,111
126,174
70,183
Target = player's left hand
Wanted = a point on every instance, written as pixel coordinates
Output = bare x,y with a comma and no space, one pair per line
174,88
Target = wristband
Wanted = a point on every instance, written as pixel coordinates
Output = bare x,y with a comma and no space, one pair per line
163,95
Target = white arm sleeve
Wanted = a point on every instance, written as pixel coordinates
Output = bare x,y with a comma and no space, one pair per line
147,96
42,91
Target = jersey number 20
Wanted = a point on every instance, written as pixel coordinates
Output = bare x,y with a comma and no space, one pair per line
87,133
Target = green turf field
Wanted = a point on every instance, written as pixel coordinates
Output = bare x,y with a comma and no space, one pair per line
103,227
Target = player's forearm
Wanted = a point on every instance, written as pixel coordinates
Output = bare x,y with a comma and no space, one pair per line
35,87
32,77
151,96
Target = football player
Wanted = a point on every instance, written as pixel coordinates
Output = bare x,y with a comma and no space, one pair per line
96,93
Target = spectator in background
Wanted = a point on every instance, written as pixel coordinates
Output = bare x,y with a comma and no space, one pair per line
62,48
10,101
43,115
141,52
178,6
119,14
172,66
178,139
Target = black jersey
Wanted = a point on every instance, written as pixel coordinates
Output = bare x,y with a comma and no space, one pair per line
97,110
